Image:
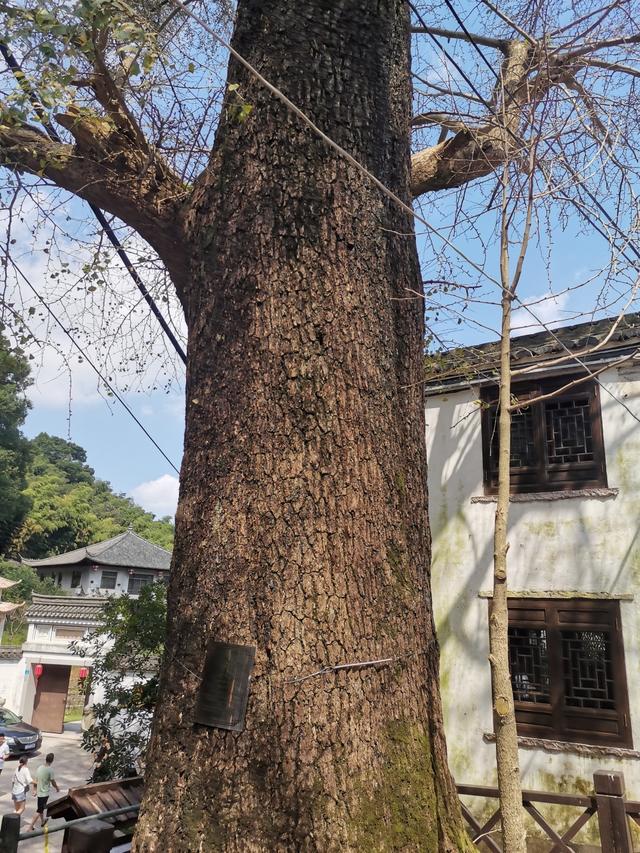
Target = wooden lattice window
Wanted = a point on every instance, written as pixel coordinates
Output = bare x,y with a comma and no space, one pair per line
556,444
567,670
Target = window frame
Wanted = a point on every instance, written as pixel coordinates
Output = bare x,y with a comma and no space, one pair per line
113,572
76,579
75,633
146,576
556,720
544,477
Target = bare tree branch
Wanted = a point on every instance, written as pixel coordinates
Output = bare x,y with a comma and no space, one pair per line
100,172
484,41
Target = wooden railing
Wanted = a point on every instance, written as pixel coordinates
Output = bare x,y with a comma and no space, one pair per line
607,802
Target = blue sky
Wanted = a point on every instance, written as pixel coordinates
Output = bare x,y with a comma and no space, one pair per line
119,451
66,401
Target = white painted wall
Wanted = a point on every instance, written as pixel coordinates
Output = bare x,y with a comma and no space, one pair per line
11,676
91,579
586,544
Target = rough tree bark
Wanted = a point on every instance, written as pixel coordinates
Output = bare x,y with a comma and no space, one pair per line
302,524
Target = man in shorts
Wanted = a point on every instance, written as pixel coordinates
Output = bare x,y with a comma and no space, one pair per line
44,781
5,752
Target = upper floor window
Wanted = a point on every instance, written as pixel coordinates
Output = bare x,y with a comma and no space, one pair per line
137,580
42,632
567,670
76,577
108,579
556,444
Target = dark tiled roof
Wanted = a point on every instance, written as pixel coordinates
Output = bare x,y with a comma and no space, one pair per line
468,362
79,610
100,797
127,549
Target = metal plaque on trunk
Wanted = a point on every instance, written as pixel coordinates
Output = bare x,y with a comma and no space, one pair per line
224,692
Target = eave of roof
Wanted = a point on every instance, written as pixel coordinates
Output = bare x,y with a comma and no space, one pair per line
100,797
477,364
79,610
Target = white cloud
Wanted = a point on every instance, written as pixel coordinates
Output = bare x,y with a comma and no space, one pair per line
548,308
158,496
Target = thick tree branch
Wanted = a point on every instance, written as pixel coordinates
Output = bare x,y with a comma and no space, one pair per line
611,66
110,175
586,49
483,41
109,95
442,119
476,152
456,161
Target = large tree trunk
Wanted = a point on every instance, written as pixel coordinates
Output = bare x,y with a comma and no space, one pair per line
302,526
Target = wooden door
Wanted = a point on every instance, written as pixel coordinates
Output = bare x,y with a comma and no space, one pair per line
51,698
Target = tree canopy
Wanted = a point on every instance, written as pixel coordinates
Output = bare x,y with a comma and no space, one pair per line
126,653
71,508
14,447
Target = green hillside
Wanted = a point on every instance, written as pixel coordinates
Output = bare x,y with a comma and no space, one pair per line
50,499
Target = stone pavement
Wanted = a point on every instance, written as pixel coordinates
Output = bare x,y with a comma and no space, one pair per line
72,767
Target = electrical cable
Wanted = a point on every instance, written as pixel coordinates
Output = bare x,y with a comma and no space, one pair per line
91,364
385,190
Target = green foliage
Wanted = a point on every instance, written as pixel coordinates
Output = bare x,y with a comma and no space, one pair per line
126,653
69,40
69,458
15,632
70,508
28,582
15,629
14,447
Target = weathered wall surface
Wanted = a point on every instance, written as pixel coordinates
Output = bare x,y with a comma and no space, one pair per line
584,544
11,677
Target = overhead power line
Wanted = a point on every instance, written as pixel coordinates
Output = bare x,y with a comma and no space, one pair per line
277,93
18,73
384,189
477,47
91,364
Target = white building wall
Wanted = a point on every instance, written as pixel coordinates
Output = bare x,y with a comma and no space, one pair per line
582,544
11,677
91,579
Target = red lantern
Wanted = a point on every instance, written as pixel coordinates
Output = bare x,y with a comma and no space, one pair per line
38,669
84,672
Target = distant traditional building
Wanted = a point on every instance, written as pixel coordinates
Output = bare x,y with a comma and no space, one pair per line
38,680
125,563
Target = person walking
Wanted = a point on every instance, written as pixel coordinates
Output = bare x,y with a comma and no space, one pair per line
43,783
20,785
5,752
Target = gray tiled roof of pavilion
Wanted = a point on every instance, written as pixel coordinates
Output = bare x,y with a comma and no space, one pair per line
68,610
127,550
476,361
